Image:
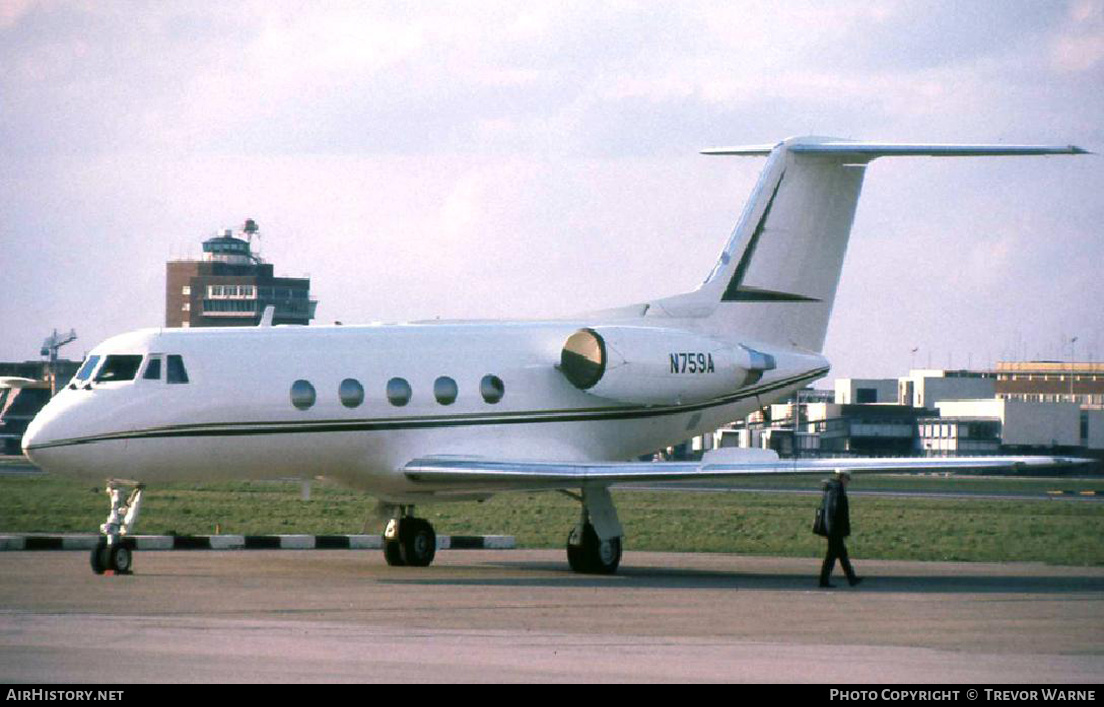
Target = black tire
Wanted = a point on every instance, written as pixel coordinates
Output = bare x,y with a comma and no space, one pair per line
98,558
121,558
592,556
417,542
577,557
392,553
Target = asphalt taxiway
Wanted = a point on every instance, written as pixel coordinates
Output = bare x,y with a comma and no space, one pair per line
499,616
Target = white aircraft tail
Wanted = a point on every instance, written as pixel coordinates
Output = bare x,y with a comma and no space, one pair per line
776,279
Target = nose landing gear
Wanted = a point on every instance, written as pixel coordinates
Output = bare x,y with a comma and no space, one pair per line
115,552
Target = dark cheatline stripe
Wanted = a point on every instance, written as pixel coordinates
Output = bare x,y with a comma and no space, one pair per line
191,542
463,420
751,294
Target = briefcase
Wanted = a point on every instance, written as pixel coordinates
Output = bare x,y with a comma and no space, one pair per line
818,523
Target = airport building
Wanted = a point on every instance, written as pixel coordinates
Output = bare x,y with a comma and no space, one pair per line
40,370
923,388
865,390
827,429
1020,408
232,286
1051,382
1015,424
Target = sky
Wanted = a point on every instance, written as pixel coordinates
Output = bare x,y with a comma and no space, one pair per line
506,159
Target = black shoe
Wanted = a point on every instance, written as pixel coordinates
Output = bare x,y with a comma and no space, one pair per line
853,581
826,585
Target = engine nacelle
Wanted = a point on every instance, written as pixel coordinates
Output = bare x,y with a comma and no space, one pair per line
650,366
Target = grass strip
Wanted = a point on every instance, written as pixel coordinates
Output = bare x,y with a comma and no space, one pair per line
1054,532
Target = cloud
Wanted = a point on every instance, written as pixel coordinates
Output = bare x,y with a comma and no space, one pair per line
1079,46
538,147
11,11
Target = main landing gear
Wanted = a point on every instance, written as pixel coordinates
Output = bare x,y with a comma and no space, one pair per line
409,541
587,554
594,544
115,551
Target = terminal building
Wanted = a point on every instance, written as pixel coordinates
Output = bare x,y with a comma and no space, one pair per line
1047,408
232,286
1051,382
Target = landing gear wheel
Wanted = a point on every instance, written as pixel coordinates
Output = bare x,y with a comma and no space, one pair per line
117,558
576,558
417,542
589,555
99,559
120,558
392,553
409,542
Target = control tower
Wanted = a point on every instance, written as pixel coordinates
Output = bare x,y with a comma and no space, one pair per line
232,285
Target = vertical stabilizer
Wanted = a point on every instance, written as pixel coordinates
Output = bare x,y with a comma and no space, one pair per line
776,279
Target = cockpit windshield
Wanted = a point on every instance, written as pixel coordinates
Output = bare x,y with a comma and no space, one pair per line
177,373
119,368
116,368
87,367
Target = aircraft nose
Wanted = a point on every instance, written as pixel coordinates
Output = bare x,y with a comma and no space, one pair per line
57,439
35,438
47,428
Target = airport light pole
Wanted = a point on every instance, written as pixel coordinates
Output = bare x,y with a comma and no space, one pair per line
1073,358
50,348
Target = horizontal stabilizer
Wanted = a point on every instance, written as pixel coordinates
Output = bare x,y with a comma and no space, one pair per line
870,150
745,150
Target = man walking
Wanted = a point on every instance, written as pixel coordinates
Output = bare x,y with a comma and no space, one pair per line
837,522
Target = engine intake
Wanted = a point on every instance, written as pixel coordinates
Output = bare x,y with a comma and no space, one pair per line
583,359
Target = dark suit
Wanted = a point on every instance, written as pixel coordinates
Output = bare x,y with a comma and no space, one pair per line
837,522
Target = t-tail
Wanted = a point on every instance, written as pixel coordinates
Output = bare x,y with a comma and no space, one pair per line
775,282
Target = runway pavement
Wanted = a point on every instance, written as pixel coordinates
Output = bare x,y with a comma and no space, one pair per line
500,616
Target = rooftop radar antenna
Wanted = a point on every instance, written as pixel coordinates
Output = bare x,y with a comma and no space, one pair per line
250,231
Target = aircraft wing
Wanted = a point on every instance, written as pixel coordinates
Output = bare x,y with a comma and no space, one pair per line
482,474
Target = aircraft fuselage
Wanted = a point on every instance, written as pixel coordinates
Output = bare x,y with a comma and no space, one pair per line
356,403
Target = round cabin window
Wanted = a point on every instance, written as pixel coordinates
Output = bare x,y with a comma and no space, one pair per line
492,389
351,393
302,394
445,390
398,391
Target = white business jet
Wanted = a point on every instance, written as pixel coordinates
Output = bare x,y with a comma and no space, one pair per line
434,411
